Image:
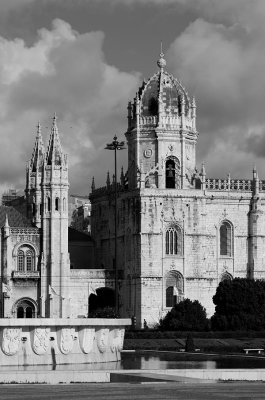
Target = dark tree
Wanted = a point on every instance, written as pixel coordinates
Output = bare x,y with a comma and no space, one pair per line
185,316
239,304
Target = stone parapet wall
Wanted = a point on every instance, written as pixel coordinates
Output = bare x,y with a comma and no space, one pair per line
60,341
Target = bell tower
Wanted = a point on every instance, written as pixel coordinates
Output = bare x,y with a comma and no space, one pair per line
55,259
161,134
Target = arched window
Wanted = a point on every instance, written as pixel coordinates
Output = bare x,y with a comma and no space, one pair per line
48,204
57,204
20,312
172,173
173,241
174,288
25,259
25,308
226,277
226,239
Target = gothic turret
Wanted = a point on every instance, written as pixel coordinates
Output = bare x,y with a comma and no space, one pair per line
34,178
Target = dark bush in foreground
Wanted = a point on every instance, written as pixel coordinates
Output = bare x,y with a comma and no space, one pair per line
240,304
106,312
185,316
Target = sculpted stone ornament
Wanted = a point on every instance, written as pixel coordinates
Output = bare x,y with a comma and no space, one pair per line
148,153
117,340
86,339
41,340
102,339
11,341
67,340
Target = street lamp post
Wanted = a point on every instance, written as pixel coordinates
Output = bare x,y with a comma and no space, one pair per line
115,145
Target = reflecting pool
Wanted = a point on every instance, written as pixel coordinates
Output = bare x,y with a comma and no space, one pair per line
147,360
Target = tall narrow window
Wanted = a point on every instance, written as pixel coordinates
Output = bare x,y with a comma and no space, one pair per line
57,204
173,241
20,261
48,204
170,174
29,260
226,239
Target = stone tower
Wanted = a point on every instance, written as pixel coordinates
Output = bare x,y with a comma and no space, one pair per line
161,134
47,205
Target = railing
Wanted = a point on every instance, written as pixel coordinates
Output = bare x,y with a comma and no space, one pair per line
233,184
26,274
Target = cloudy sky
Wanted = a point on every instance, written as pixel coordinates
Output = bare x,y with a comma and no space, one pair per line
84,59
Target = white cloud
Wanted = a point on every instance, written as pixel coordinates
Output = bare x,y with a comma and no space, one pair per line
62,71
223,65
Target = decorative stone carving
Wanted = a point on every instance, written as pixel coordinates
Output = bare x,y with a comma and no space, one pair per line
148,153
117,340
66,340
11,341
86,339
41,339
102,339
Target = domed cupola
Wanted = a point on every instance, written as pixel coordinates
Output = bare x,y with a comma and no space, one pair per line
162,102
161,134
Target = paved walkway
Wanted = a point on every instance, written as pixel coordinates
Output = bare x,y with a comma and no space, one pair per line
146,391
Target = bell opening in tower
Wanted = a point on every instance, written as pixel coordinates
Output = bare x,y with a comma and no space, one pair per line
170,175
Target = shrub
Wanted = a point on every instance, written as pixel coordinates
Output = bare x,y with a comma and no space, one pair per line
185,316
106,312
189,347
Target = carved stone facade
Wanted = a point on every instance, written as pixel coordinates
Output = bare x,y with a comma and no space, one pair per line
179,232
35,267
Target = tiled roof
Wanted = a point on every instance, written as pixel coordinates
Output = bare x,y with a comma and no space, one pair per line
15,218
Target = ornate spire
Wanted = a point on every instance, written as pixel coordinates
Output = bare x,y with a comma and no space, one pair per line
108,180
93,184
38,151
122,177
54,152
161,62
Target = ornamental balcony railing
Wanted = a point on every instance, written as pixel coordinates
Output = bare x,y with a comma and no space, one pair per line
233,184
26,275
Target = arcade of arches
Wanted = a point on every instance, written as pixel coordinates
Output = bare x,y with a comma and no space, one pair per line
25,308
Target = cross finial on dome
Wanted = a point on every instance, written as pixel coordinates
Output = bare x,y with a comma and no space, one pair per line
161,62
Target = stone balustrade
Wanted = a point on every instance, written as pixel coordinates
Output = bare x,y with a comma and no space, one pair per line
60,341
231,184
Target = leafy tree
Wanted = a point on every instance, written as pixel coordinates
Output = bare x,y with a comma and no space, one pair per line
185,316
239,304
